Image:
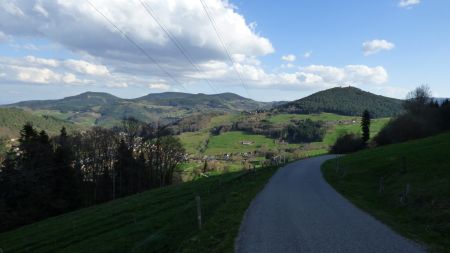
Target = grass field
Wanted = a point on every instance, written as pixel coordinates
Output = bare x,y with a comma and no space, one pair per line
162,220
230,142
286,118
193,142
414,194
337,130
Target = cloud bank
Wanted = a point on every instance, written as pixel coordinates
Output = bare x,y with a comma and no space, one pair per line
106,58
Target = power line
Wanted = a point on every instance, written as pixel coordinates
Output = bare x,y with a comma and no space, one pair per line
176,42
213,23
137,45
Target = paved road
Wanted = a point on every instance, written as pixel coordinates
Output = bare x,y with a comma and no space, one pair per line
299,212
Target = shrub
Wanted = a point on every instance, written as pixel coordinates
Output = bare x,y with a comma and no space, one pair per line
347,143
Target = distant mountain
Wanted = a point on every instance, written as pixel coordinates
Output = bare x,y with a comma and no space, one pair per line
345,101
80,102
12,120
225,101
96,108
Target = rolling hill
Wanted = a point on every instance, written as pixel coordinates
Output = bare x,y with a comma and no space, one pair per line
96,108
349,101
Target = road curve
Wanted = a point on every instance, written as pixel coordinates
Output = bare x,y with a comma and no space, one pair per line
298,211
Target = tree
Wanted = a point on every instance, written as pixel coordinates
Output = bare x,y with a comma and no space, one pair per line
124,171
417,99
65,186
365,126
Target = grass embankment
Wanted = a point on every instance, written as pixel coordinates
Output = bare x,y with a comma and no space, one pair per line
407,186
162,220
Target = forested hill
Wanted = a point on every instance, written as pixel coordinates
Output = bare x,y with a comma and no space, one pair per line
88,100
226,101
12,121
79,102
345,101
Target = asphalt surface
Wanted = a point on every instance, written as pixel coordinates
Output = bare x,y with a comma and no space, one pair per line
298,211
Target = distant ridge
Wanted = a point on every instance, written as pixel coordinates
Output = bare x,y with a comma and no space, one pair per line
99,108
345,101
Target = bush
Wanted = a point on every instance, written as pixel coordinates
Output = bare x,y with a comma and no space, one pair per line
347,143
406,127
423,117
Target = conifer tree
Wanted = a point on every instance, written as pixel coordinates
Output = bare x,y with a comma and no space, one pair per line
365,126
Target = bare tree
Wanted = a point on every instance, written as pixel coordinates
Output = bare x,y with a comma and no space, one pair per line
418,98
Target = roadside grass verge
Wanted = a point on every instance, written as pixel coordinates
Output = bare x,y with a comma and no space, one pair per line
161,220
406,186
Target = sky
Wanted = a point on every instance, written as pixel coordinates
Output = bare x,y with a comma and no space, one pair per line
265,50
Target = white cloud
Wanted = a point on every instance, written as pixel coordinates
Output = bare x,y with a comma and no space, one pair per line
69,78
159,86
288,58
34,75
107,59
86,67
117,85
408,3
307,55
375,46
38,8
77,26
310,77
42,61
28,46
3,37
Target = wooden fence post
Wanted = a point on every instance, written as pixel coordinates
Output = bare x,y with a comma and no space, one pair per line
199,212
381,185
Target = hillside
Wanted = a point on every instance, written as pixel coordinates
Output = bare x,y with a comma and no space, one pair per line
404,185
161,220
81,102
12,121
96,108
349,101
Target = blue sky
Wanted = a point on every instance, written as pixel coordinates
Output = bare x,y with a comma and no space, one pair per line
53,50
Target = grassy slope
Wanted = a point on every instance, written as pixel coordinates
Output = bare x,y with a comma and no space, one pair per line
425,215
286,117
230,142
12,121
162,220
337,130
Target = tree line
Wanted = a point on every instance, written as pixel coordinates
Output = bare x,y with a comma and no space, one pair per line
43,176
422,116
297,131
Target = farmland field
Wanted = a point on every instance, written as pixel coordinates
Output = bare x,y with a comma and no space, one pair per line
231,142
285,118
